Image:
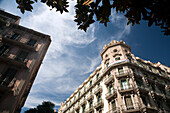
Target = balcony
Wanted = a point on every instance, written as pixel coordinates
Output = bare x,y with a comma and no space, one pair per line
72,110
90,109
97,79
122,74
98,104
12,59
111,95
98,89
109,79
139,75
159,94
130,109
18,43
143,88
6,87
90,96
125,89
83,91
77,106
114,110
148,109
89,86
83,101
167,95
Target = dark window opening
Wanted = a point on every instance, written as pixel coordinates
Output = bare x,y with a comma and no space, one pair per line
3,49
31,42
15,36
113,105
120,70
7,77
22,56
97,76
128,102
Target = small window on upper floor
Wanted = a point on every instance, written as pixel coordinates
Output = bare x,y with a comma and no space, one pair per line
7,77
106,56
90,82
115,50
97,76
117,58
3,49
22,56
15,36
120,70
31,42
150,69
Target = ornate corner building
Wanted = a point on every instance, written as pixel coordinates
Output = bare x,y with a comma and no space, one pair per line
21,53
122,83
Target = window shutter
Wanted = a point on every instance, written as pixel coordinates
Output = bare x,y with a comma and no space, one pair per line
120,83
127,80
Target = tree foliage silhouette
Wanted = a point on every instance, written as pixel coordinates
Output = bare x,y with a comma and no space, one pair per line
89,11
46,107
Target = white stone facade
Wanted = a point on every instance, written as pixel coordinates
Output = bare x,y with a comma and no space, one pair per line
122,83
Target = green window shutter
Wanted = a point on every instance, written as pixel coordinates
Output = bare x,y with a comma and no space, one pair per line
127,82
120,83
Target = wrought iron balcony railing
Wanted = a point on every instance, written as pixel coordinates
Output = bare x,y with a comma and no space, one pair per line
114,110
97,89
109,79
98,104
125,88
131,108
111,94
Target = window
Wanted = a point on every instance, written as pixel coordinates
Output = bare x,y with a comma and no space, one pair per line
129,58
153,87
113,105
3,49
120,70
128,103
115,50
15,36
31,42
160,104
117,58
111,90
90,82
77,111
22,56
124,84
139,82
150,69
107,64
90,104
7,77
79,94
98,97
144,100
97,76
83,108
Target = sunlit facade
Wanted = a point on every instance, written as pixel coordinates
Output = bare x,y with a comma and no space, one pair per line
21,53
122,83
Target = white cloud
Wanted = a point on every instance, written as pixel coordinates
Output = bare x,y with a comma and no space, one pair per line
119,21
65,64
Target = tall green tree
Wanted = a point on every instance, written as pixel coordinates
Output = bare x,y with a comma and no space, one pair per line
89,11
45,107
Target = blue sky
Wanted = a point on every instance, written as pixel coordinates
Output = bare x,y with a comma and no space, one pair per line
74,54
